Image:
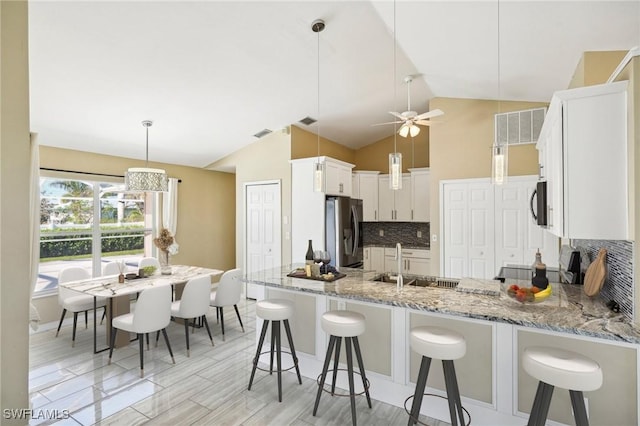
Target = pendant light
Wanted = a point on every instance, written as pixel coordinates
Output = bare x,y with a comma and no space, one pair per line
145,179
318,172
499,151
395,158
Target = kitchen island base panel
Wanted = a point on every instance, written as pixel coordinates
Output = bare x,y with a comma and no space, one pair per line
496,322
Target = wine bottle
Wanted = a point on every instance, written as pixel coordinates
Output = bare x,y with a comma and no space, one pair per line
309,256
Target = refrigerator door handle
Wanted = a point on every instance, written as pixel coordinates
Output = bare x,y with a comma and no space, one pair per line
356,225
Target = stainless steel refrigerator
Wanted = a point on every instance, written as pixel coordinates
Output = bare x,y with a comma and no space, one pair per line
343,230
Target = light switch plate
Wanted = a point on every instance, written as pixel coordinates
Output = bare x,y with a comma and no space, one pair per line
381,232
419,234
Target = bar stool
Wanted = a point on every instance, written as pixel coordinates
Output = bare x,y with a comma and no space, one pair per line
350,325
275,311
564,369
446,345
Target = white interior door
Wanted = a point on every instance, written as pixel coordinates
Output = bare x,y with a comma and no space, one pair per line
481,231
263,228
510,216
455,227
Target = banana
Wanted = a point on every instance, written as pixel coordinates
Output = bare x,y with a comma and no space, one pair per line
543,294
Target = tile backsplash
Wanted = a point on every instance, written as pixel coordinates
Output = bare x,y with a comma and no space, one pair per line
396,232
618,284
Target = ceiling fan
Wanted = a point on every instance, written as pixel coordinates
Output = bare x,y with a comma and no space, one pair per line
410,119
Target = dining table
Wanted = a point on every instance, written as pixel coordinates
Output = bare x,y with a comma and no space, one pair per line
118,295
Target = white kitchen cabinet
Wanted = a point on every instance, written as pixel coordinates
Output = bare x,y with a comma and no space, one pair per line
307,206
414,261
374,259
420,195
394,205
583,158
337,176
365,185
486,226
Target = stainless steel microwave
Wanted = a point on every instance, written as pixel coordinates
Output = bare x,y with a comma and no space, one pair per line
540,212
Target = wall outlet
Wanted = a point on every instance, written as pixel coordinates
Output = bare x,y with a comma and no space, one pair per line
381,232
419,233
434,238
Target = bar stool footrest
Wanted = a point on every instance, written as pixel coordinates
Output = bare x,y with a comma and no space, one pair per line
328,385
408,411
295,363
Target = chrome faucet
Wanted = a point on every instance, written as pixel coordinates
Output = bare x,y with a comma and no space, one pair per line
398,257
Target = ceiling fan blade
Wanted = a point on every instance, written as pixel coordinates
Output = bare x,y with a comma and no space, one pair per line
397,114
388,122
424,122
430,114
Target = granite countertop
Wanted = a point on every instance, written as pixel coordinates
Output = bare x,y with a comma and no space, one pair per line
568,310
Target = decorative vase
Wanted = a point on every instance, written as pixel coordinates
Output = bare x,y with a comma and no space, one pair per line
165,267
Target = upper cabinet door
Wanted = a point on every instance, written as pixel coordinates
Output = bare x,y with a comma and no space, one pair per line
402,200
367,183
337,177
584,147
386,208
420,195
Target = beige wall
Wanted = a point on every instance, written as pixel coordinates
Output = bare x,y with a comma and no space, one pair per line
264,160
415,153
460,145
595,67
205,225
14,220
304,144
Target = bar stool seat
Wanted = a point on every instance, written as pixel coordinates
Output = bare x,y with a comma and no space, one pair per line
565,369
338,325
446,345
275,311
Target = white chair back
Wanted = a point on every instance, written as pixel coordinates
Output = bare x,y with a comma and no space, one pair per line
194,302
229,288
149,261
153,309
111,268
70,273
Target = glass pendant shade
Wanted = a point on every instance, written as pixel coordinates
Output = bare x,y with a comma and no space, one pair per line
395,171
499,164
143,179
318,177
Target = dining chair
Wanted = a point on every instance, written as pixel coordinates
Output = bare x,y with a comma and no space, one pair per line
149,261
74,301
227,294
152,313
111,268
194,304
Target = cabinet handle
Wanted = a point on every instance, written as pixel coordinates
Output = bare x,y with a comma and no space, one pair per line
375,215
412,214
340,185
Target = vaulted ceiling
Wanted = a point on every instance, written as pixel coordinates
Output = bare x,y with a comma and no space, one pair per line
211,74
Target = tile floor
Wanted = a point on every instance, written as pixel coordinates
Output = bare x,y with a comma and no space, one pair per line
209,388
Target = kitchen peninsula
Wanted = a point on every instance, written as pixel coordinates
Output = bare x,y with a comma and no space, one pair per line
494,387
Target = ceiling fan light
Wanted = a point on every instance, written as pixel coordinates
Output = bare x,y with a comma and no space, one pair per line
414,130
404,130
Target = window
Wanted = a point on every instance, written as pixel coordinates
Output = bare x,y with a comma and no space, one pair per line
88,223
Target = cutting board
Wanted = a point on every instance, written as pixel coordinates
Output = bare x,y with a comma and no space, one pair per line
594,278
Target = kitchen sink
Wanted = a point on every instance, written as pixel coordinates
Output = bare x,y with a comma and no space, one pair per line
418,281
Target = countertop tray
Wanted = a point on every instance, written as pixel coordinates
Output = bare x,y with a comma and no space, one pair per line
302,274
